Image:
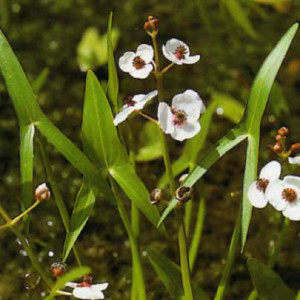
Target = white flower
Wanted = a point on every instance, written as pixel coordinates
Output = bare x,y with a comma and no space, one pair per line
181,120
136,102
257,190
294,160
178,52
284,195
138,64
88,291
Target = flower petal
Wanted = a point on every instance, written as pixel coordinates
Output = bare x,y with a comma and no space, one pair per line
173,44
271,170
142,99
125,61
71,284
292,211
191,59
256,197
165,117
88,293
190,102
141,73
123,114
293,181
170,56
145,52
294,160
101,286
186,131
274,194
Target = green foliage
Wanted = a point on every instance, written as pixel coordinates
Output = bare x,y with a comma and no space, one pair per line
150,148
92,50
68,277
268,284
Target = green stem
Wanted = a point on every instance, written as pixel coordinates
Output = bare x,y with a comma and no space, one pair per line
32,256
188,216
197,234
184,261
184,258
137,265
230,259
57,195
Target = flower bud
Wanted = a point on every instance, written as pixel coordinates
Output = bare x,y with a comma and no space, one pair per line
283,131
42,192
295,147
183,177
58,269
184,193
156,196
152,25
278,138
277,148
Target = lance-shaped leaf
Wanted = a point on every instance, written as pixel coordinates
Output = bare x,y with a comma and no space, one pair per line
103,146
259,95
268,284
29,112
170,274
83,207
72,275
113,82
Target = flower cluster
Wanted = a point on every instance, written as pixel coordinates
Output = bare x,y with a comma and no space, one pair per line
282,194
181,119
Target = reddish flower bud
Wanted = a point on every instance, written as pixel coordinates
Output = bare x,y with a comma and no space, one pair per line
152,25
295,147
58,269
277,148
283,131
278,138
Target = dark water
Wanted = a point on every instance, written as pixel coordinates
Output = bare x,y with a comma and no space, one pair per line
46,33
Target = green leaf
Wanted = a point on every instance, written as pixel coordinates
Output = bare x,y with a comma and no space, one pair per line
92,49
239,15
278,101
72,275
99,134
113,82
230,140
259,95
232,109
19,89
268,284
40,80
29,112
26,163
170,274
135,190
83,207
150,148
264,81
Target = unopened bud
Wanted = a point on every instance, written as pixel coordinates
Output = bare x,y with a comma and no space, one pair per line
151,25
277,148
295,147
184,194
278,138
58,269
156,196
283,131
182,178
42,192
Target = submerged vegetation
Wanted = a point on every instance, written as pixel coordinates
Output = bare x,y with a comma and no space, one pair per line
131,174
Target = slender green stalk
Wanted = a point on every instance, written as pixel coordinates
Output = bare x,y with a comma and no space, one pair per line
20,216
32,256
230,259
57,195
138,274
188,216
197,234
298,296
184,258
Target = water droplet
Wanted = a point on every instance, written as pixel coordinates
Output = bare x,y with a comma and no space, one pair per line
31,280
49,223
220,111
